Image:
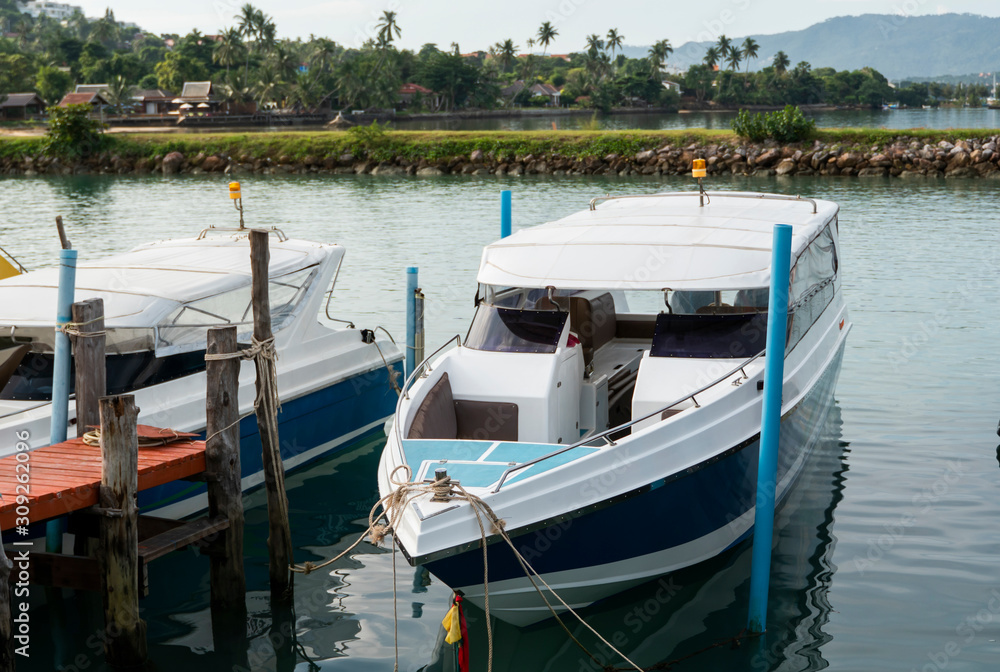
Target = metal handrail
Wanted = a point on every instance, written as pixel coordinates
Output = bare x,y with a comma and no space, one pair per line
710,194
418,371
606,433
275,230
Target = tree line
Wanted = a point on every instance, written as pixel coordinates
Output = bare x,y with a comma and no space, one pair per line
248,62
719,78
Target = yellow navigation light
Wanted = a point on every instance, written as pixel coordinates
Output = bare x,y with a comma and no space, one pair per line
698,168
234,190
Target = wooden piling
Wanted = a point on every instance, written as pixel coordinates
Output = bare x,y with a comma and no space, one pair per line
279,541
225,499
118,557
89,356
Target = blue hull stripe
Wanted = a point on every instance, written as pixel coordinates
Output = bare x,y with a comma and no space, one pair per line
304,423
657,517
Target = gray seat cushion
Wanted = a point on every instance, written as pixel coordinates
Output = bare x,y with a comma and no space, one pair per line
435,419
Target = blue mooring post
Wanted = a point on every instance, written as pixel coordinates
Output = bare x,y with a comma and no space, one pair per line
61,375
505,213
411,319
770,430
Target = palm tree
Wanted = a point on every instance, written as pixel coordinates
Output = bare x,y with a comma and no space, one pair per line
594,42
615,40
323,53
546,33
724,43
712,56
750,49
781,62
734,58
119,93
658,54
388,28
266,32
268,86
229,49
507,53
247,27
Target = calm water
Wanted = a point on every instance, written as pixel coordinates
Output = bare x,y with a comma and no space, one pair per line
887,555
941,119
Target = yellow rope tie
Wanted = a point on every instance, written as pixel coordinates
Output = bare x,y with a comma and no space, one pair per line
73,329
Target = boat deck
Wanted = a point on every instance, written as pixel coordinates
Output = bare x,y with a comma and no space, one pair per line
480,464
66,477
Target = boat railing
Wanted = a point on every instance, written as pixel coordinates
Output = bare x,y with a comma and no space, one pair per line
419,371
606,434
710,194
242,229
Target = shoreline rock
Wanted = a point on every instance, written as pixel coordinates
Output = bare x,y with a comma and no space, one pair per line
905,157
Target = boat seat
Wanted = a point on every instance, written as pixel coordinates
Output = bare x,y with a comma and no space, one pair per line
441,416
594,322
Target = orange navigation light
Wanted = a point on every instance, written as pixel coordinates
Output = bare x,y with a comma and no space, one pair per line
698,168
234,190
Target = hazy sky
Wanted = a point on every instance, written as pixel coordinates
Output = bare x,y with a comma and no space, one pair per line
475,24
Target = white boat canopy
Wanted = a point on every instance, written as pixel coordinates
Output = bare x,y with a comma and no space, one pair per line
655,242
143,286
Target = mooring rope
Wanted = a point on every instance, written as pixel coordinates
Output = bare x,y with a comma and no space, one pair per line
93,438
73,329
259,351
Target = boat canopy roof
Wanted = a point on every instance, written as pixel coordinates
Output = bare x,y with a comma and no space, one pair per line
144,285
656,242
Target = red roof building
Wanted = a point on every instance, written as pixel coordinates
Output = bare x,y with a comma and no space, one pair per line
93,98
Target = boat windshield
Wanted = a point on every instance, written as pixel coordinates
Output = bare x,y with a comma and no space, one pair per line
499,329
186,328
734,336
709,324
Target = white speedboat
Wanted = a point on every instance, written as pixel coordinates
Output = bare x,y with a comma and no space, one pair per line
335,382
606,402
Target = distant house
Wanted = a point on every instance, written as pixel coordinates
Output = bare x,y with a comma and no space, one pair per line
546,91
198,98
153,101
409,92
96,100
671,86
508,92
21,106
536,90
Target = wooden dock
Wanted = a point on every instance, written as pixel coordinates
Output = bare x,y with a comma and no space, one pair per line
66,477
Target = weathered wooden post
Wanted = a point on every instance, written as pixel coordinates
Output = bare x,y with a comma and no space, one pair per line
118,556
279,540
225,499
89,355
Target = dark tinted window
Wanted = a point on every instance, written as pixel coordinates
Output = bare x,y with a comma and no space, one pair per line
32,380
735,336
507,330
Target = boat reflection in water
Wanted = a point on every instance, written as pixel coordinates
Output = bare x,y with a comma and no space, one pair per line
697,607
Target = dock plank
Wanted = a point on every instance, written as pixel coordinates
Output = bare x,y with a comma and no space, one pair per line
66,477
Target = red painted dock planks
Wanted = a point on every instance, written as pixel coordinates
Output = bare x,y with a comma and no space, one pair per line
67,476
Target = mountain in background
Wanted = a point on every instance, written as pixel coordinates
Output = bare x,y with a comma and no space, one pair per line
899,47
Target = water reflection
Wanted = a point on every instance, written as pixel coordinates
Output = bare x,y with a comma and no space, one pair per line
715,120
681,615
